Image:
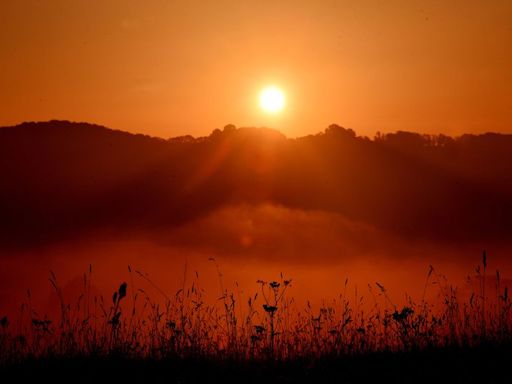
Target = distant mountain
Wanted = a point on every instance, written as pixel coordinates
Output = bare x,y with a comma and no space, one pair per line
60,180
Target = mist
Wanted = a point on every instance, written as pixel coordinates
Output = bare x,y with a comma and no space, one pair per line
235,246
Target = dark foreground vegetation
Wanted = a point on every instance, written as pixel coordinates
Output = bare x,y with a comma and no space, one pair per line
483,364
459,336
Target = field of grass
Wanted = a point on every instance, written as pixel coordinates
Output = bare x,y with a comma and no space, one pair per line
265,337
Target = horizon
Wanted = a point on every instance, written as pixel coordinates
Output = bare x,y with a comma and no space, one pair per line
377,134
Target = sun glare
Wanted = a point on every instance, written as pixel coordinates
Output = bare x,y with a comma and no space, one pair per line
272,100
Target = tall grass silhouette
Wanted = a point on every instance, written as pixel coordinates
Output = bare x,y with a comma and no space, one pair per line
267,324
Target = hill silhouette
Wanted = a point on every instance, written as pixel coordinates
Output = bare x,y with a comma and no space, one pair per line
60,180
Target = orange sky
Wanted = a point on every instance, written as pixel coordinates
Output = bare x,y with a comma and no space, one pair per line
169,68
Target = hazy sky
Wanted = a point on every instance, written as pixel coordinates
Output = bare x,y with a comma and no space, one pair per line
169,68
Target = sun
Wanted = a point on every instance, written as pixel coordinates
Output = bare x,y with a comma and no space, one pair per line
272,100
